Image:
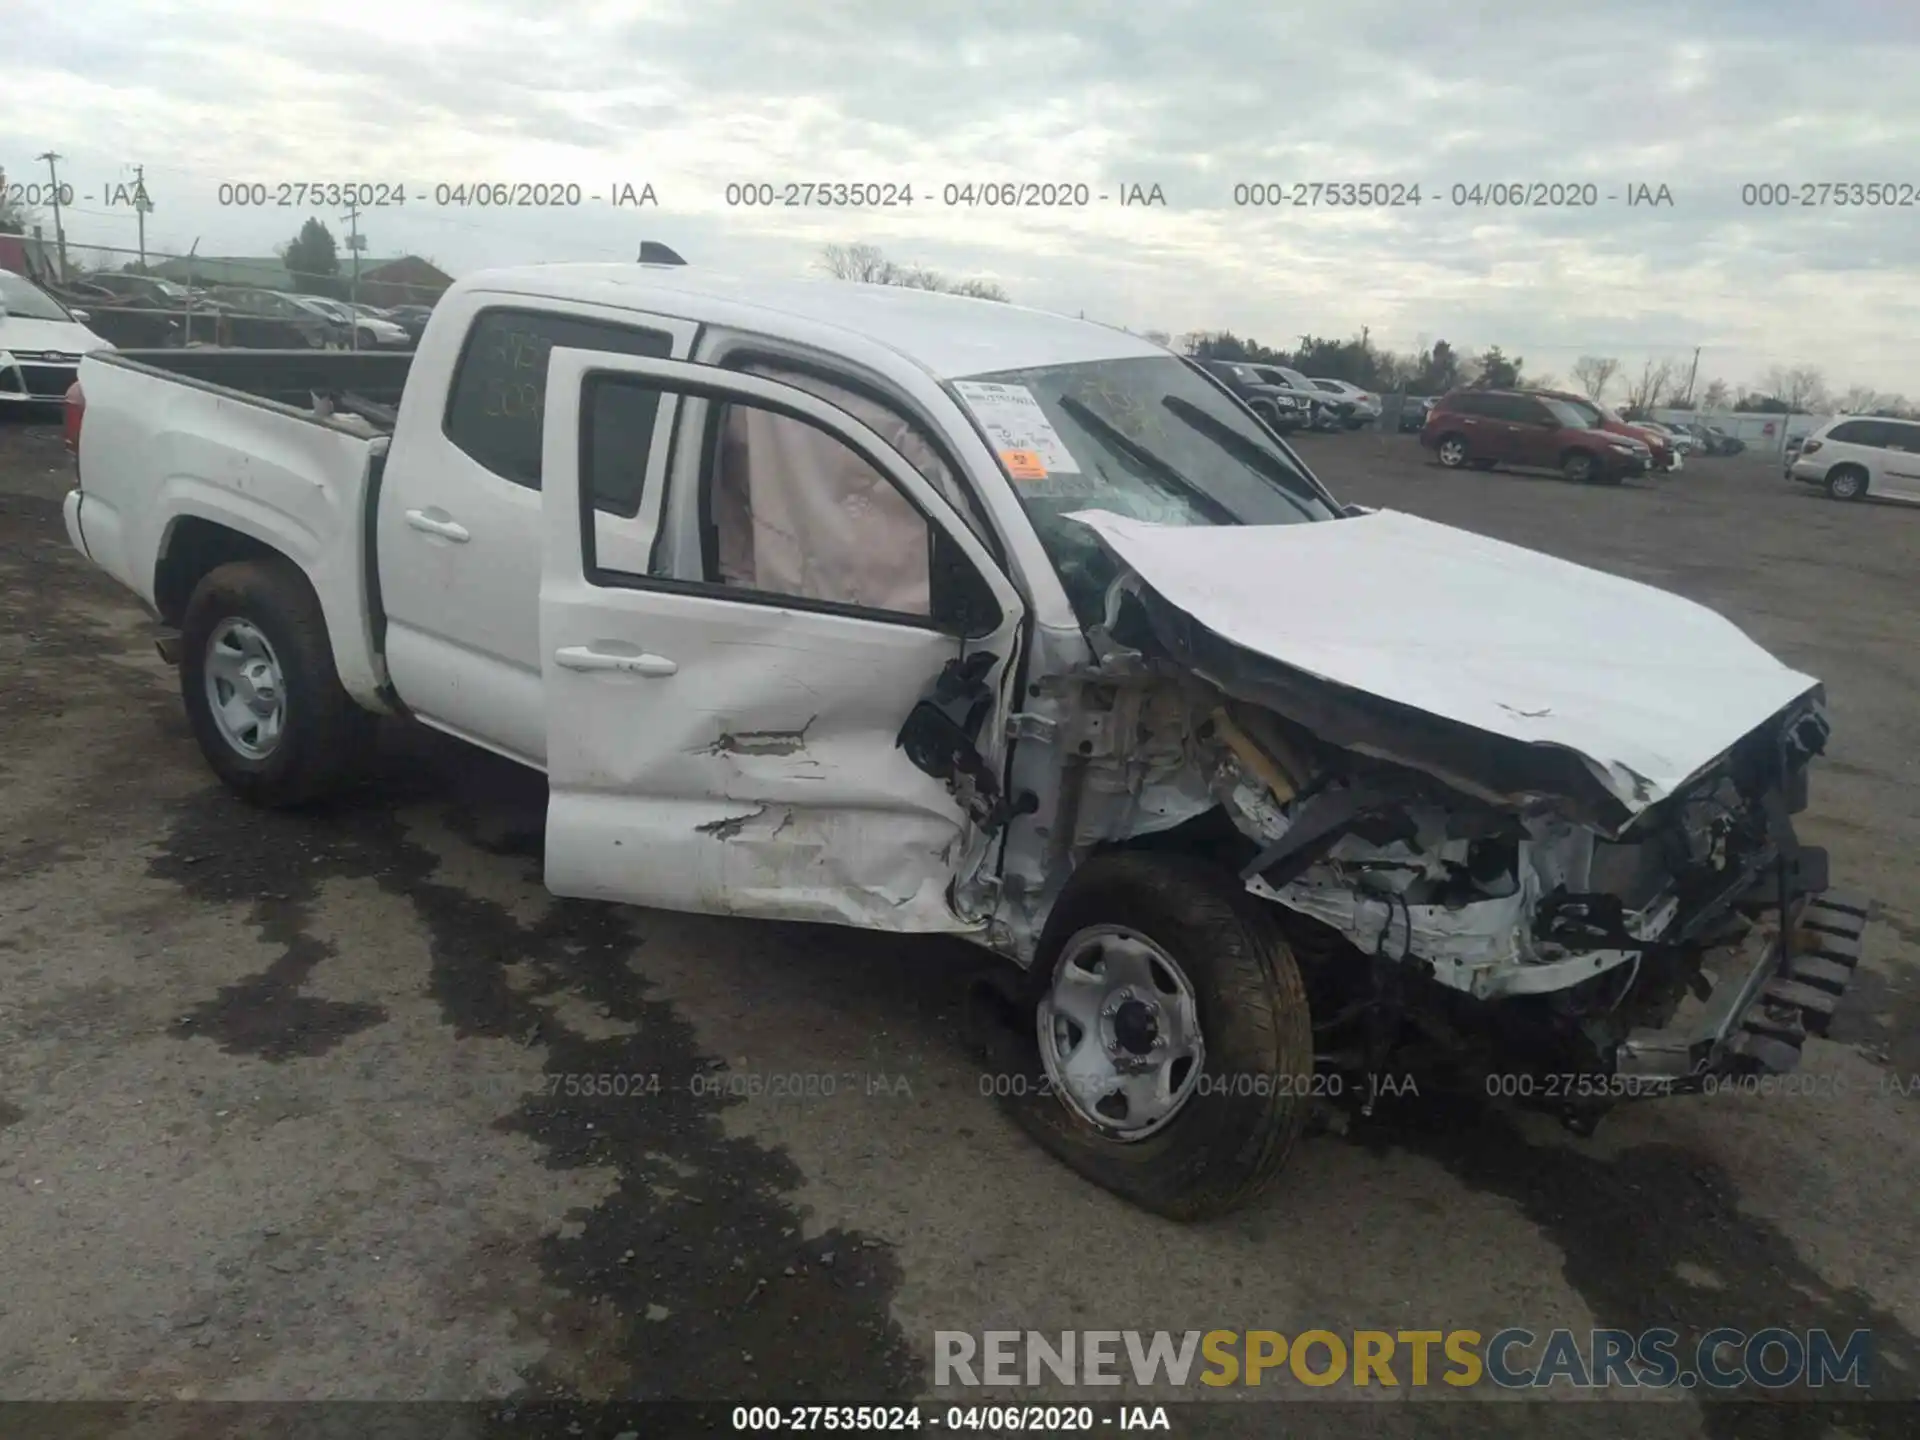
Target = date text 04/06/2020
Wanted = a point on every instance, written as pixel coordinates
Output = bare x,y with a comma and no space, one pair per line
1307,1085
992,1419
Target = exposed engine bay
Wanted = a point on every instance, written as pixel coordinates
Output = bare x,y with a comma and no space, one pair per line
1511,905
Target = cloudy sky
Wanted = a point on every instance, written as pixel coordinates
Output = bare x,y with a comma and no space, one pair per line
1701,96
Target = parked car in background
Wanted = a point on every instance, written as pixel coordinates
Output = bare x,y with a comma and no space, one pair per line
1529,431
1676,437
1413,413
41,342
1664,456
1366,405
1711,439
1859,455
361,331
1328,411
1278,405
381,328
411,318
267,320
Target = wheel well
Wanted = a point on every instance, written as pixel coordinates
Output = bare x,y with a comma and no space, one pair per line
1573,450
1445,435
1855,466
195,548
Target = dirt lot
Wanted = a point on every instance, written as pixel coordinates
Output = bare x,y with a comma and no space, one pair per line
285,1109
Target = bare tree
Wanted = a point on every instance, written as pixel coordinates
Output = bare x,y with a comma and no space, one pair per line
1801,389
1717,396
1646,392
977,289
863,263
866,265
1593,373
1543,382
1859,400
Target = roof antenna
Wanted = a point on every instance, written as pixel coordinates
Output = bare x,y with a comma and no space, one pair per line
652,252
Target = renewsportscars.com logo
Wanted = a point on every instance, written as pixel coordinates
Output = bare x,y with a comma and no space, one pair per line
1510,1359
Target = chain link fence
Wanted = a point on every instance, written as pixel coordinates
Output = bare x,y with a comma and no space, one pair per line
148,299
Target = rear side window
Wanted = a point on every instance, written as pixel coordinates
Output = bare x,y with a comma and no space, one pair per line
1901,437
496,412
1856,432
1464,404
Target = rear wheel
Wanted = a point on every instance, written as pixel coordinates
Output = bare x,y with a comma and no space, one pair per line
1452,451
1846,482
258,679
1171,1041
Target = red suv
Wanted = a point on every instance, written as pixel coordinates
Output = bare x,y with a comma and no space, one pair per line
1601,416
1529,431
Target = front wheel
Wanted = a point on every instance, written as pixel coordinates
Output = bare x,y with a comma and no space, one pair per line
1452,452
258,679
1174,1045
1578,467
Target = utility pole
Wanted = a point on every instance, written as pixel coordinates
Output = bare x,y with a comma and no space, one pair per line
141,205
59,234
355,243
1692,375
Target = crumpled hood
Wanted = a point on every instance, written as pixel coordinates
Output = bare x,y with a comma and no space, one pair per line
1643,686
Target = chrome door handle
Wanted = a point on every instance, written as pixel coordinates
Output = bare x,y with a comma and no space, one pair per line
445,529
581,657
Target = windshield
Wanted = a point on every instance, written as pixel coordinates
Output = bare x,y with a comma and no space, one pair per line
27,300
1146,438
1574,417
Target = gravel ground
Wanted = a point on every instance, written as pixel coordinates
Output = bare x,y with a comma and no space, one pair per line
284,1108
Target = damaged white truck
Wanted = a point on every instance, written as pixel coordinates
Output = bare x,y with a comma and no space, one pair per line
925,614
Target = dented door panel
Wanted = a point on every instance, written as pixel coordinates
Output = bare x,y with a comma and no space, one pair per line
738,755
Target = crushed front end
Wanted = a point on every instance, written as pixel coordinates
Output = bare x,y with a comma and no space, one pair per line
1459,903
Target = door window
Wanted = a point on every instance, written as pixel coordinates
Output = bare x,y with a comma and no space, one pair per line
497,406
792,513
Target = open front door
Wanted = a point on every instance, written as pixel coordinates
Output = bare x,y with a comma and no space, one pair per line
810,727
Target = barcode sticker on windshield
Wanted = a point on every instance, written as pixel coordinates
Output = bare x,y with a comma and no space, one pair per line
1014,420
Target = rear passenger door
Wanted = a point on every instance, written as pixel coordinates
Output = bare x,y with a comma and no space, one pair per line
760,734
1900,461
458,519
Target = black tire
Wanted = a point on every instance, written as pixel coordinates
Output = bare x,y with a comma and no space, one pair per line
1579,467
1223,1147
326,738
1451,451
1846,482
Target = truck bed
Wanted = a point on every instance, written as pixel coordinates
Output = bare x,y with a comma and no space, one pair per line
292,378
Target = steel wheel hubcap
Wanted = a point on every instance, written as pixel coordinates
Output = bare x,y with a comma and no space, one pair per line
1452,452
1119,1032
1845,485
246,692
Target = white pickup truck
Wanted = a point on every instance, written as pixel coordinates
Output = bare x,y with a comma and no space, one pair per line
927,614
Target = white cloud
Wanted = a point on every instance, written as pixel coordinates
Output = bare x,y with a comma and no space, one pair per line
1701,95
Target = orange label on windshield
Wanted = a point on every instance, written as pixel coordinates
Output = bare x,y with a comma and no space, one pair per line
1024,464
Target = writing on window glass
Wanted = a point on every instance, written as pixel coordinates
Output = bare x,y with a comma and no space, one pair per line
518,388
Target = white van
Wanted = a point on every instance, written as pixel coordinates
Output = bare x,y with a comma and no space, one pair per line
1859,455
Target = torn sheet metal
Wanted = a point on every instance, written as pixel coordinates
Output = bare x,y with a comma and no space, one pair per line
1643,688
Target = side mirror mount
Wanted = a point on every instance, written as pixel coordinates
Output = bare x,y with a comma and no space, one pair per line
958,596
80,315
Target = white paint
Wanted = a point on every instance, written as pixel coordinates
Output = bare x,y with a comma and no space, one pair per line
760,774
1647,687
1014,420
